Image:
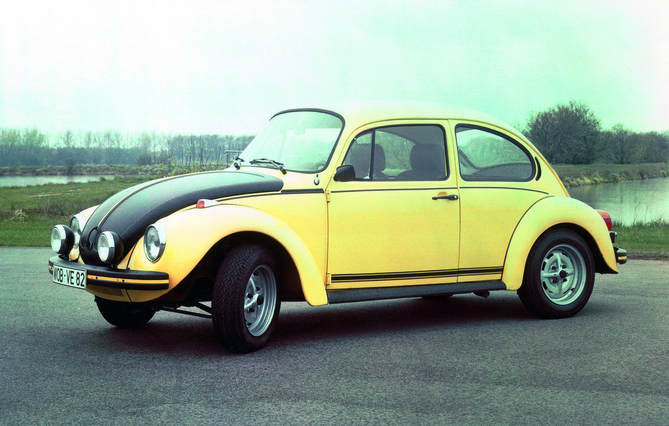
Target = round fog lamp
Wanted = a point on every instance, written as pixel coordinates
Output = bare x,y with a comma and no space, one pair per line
110,247
62,239
154,241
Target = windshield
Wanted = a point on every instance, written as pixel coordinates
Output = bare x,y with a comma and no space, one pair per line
302,141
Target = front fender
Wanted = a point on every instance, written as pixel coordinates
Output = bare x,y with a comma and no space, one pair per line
548,213
192,233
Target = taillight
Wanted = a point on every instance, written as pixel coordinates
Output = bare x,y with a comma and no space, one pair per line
607,219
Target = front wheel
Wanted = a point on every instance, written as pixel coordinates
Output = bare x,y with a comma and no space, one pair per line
559,275
245,300
123,314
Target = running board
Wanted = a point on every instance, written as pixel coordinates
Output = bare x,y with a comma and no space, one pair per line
366,294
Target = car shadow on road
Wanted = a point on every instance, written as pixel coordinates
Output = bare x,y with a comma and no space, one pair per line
391,316
300,323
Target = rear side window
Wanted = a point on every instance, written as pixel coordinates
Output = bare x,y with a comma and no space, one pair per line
486,155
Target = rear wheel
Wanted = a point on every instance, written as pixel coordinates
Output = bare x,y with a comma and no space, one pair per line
245,301
123,314
559,275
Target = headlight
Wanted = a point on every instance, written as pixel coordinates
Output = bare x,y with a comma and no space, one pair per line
62,239
77,223
110,247
154,241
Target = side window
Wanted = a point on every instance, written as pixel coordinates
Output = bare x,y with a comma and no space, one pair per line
399,153
360,155
485,155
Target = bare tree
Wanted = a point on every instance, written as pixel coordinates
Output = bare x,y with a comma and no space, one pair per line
67,139
88,140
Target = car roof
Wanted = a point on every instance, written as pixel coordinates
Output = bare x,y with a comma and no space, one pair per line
356,114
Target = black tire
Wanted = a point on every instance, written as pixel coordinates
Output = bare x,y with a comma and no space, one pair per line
559,275
245,301
123,314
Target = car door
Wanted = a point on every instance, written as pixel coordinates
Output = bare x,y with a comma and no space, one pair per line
398,222
497,186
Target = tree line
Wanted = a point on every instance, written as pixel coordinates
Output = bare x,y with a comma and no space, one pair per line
568,133
571,133
32,147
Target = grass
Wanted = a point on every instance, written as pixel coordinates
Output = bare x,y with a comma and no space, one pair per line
29,232
589,174
27,214
644,240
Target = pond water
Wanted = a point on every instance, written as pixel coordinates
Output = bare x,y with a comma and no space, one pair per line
41,180
630,201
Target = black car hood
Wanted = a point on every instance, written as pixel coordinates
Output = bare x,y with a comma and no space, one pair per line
129,212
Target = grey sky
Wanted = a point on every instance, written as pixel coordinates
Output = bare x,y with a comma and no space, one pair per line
226,67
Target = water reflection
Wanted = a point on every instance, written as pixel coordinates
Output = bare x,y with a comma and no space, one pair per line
627,202
41,180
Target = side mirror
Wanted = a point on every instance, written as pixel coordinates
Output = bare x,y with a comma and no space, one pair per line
344,173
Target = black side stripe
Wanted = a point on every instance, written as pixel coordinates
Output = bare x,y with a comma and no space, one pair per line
480,271
303,191
271,194
391,276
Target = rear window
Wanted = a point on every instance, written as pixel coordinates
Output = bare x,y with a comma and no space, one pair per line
487,155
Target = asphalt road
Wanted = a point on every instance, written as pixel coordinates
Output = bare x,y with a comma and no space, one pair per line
464,360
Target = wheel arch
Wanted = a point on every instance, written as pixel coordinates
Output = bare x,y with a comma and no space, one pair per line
600,264
547,215
199,239
290,283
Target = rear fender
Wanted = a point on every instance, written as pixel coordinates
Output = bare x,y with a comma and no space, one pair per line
192,233
555,212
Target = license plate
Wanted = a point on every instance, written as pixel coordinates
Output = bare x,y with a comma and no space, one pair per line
69,277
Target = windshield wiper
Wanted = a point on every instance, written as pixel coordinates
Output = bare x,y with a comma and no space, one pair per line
268,161
238,162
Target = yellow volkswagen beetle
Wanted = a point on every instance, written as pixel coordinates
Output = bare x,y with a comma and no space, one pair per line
331,206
